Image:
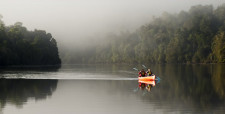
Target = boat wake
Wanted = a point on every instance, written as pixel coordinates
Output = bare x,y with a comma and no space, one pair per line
74,78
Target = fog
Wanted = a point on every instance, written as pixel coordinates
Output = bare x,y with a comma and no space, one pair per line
70,21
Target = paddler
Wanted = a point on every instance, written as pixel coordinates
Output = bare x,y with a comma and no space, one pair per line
149,72
142,73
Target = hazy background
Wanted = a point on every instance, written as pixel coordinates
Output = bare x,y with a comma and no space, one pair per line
70,21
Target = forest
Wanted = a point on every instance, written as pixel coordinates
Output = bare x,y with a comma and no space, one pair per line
194,36
18,46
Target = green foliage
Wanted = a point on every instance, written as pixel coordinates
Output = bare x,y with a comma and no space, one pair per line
18,46
196,36
218,47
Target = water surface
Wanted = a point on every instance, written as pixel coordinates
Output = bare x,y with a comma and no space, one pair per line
100,89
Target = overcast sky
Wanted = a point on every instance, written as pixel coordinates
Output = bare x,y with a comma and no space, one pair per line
75,19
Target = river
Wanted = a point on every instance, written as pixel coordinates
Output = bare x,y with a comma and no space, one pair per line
112,89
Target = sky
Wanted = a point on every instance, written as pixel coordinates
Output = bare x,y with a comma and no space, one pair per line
70,21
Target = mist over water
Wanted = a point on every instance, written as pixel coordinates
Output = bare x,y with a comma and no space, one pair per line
103,88
72,21
83,29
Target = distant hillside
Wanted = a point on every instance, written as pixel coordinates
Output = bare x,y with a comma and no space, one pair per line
194,36
18,46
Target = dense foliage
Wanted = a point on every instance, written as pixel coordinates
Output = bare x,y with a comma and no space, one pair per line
194,36
18,46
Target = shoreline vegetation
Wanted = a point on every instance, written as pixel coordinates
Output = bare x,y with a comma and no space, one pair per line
194,36
20,47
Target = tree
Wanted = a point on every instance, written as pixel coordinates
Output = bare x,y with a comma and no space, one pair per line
218,47
18,46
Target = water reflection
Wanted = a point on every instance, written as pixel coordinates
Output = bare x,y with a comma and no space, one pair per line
182,89
196,87
148,85
18,91
119,96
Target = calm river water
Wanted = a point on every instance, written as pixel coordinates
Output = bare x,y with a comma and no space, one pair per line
112,89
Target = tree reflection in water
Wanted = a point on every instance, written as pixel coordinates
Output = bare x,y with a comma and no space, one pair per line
200,86
182,89
18,91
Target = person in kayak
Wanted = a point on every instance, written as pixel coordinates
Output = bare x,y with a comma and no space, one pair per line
142,73
149,72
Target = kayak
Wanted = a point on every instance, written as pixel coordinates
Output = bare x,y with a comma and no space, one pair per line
148,82
148,78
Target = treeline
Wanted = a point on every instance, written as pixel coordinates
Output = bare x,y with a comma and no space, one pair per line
194,36
18,46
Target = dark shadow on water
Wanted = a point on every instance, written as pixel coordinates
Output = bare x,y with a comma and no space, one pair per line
18,91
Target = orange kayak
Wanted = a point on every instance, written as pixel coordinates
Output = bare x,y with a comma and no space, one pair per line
148,82
148,78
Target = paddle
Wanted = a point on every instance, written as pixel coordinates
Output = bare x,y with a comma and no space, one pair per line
144,66
136,69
